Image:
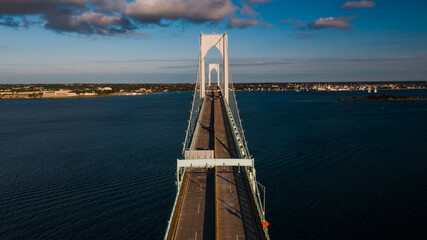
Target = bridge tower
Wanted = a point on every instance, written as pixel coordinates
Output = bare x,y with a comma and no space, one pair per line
213,66
207,41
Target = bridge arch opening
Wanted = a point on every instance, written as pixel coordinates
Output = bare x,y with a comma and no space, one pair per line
213,68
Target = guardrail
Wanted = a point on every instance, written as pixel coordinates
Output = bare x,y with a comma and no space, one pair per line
243,152
173,220
196,106
233,114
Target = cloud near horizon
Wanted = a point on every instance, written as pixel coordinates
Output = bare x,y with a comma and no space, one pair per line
286,69
121,17
358,4
269,61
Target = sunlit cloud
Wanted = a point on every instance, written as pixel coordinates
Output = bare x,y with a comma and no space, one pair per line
341,23
192,10
122,17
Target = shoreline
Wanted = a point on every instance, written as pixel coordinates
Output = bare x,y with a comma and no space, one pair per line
79,96
26,96
381,98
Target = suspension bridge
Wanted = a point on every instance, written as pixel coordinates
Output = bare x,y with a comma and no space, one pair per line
218,196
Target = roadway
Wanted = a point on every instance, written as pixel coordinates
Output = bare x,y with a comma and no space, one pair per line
215,200
234,215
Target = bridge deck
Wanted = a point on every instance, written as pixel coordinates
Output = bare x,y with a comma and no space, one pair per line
197,217
235,220
215,201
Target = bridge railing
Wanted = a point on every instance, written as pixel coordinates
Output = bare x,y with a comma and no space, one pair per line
194,115
236,122
241,144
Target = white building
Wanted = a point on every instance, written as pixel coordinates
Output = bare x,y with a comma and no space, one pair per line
105,89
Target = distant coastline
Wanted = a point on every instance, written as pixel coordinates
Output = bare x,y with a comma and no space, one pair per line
19,91
383,98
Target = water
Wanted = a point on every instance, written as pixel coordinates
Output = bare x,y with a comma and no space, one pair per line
103,168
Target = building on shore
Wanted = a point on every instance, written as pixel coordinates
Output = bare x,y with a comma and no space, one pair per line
58,94
105,89
143,90
8,96
88,94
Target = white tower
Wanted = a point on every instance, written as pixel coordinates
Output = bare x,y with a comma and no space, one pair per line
213,66
207,41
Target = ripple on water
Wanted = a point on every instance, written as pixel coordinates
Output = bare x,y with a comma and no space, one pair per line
104,168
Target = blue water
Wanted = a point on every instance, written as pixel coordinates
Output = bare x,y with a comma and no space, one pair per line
103,168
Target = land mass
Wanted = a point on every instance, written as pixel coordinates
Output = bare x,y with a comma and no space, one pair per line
383,98
8,91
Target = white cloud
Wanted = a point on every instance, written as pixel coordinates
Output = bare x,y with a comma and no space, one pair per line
96,19
120,17
153,11
332,22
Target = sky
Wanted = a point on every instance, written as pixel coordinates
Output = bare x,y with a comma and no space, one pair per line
157,41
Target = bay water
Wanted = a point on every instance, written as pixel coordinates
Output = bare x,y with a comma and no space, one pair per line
103,168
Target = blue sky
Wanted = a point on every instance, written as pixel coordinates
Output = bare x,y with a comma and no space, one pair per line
139,41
